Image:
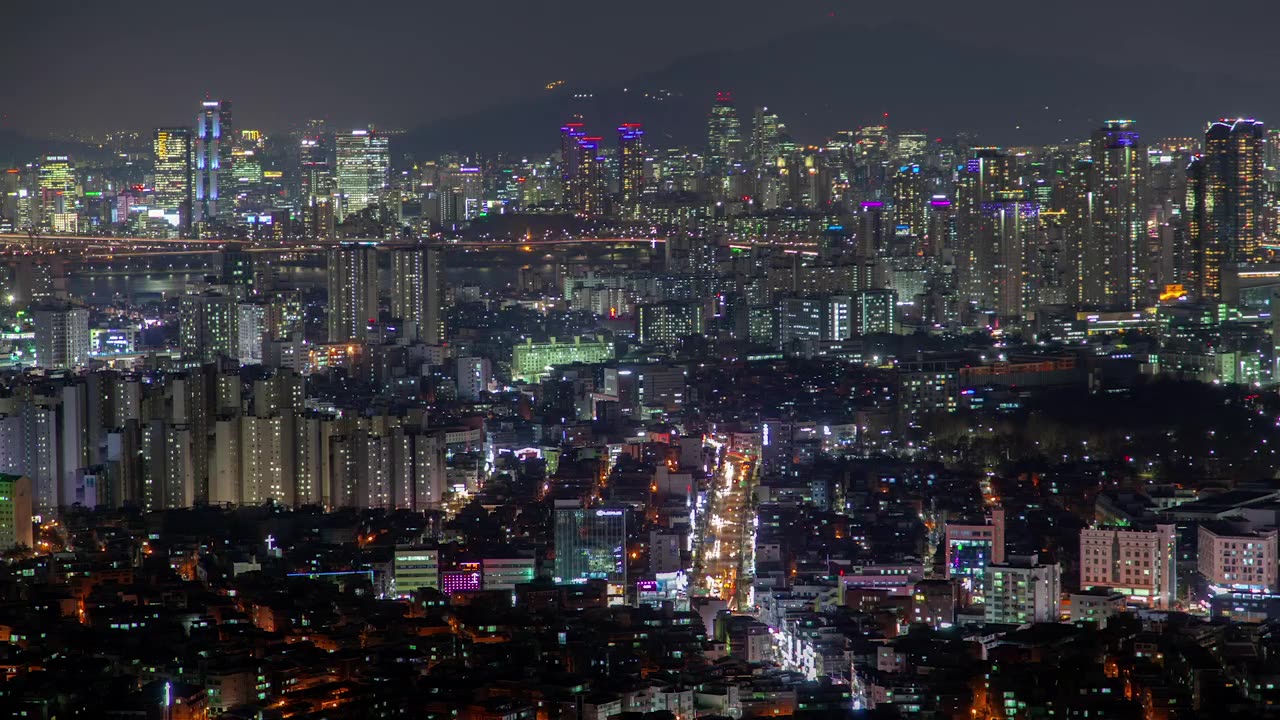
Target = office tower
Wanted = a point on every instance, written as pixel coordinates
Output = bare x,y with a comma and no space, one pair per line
213,169
353,291
62,337
418,293
363,169
474,374
631,158
663,324
423,474
1114,255
246,170
315,166
414,568
174,155
1137,563
800,321
970,549
910,148
910,198
1229,200
724,142
317,185
15,512
1022,590
766,137
871,143
468,182
571,135
591,183
875,312
591,544
56,194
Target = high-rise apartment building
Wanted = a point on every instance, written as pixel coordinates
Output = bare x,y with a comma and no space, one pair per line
631,160
1115,254
910,198
474,374
1022,590
15,512
664,323
62,337
571,135
980,186
208,326
1229,199
353,290
418,292
590,179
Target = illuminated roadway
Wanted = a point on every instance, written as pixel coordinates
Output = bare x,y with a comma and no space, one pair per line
726,554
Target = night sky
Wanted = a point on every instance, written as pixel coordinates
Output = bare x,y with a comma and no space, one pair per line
134,65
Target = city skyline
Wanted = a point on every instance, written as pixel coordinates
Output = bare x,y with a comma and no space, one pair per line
737,361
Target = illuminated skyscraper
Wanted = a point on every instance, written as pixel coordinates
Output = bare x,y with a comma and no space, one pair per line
174,153
724,141
1114,253
910,147
213,171
984,177
591,178
1007,230
315,161
766,136
353,291
57,191
317,186
1201,262
909,201
631,167
871,142
363,163
571,135
418,292
1233,203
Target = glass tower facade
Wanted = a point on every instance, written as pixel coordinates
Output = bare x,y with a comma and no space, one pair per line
591,544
